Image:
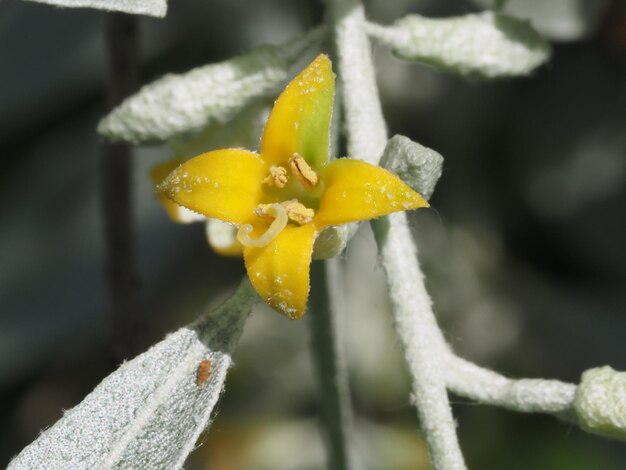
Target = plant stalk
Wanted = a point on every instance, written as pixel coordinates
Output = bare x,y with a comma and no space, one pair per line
415,322
524,395
116,183
330,363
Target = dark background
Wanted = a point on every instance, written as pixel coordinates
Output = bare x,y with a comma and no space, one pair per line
524,248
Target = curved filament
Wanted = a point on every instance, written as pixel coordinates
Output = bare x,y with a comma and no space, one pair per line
277,226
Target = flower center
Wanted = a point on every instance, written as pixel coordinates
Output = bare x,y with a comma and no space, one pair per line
289,209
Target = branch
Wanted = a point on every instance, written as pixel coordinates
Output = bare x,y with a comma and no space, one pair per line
122,277
525,395
422,341
415,323
365,124
330,362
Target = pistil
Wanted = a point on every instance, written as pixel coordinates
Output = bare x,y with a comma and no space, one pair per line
277,226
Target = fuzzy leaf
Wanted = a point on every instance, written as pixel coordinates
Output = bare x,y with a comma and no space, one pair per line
178,105
149,412
485,45
175,107
416,165
600,402
331,241
138,7
243,131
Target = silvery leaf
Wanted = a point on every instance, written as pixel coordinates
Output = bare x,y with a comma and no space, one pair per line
149,412
416,165
178,106
138,7
485,45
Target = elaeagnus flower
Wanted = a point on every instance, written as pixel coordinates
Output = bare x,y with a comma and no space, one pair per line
283,197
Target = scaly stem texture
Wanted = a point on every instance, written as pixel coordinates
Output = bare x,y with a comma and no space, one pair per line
122,277
415,323
329,362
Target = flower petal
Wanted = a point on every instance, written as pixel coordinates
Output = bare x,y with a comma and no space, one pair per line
178,214
300,120
224,184
356,190
280,271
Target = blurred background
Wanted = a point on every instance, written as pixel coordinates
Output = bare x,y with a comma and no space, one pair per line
524,247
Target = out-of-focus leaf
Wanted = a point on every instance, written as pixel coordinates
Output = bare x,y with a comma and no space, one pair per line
244,131
222,237
484,45
560,20
177,106
150,412
138,7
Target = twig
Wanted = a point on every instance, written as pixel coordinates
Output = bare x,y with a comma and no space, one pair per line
422,340
330,363
121,273
365,124
415,323
525,395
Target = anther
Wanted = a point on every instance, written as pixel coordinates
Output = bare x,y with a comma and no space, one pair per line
298,212
263,210
303,172
277,177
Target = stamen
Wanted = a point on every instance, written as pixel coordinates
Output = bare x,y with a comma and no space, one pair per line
303,172
277,226
277,177
263,210
298,212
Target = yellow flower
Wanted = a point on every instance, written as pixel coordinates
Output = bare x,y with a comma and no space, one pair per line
284,196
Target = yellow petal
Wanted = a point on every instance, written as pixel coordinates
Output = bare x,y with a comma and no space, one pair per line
177,213
300,120
356,190
280,271
224,184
